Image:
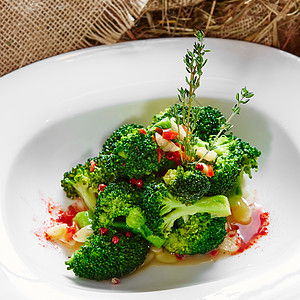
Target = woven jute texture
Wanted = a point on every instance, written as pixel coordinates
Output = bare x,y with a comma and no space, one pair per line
31,30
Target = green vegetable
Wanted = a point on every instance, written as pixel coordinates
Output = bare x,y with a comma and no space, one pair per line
84,218
133,152
161,189
200,234
234,156
188,186
113,254
83,180
161,209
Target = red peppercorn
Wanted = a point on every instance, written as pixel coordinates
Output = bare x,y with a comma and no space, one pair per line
102,230
179,256
128,234
101,187
115,239
136,182
139,182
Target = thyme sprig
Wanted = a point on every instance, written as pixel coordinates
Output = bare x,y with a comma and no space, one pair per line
242,98
194,63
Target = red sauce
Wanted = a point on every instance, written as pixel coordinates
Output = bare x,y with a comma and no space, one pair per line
57,215
251,233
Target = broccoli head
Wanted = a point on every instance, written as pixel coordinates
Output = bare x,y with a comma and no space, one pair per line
233,157
209,123
162,209
200,234
108,255
111,142
116,201
118,207
188,186
134,152
84,179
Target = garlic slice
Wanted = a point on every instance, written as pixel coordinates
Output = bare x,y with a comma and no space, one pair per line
82,234
57,231
181,132
211,155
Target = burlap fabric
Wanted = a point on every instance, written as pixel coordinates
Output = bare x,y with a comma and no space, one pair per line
31,30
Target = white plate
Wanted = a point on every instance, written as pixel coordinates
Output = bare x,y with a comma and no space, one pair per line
57,112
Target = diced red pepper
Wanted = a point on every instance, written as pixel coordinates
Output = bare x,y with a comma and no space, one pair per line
210,171
199,167
143,131
169,134
159,130
160,154
175,156
92,167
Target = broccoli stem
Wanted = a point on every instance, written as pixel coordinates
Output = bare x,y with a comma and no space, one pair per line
217,206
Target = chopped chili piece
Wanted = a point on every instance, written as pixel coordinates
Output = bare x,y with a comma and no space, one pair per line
92,167
143,131
210,171
159,130
160,154
169,134
199,167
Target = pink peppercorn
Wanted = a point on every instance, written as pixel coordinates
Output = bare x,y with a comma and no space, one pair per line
115,239
102,230
101,187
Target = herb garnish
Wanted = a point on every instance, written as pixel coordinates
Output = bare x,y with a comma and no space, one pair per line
194,61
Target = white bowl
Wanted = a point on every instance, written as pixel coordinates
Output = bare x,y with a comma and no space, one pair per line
57,112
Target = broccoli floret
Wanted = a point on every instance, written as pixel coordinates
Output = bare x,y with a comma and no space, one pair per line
209,119
109,255
110,144
188,186
83,180
118,206
161,209
116,201
134,153
234,156
209,123
200,234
